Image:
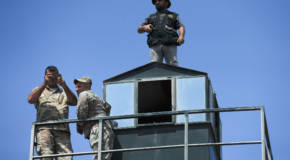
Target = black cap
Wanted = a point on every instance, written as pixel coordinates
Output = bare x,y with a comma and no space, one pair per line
169,3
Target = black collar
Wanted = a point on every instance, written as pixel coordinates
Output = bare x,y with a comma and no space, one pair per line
160,12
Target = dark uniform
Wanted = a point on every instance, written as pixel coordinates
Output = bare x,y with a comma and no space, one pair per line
163,38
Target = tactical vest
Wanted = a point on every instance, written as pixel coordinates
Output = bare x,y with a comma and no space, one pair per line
164,30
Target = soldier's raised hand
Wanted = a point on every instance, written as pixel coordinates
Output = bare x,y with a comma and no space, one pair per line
60,80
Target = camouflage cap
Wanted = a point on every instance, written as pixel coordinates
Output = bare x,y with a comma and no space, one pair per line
83,80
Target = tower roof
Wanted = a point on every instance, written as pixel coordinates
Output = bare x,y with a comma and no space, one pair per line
154,70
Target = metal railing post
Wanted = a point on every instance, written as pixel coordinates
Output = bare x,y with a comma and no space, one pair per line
269,155
186,136
263,134
32,142
100,139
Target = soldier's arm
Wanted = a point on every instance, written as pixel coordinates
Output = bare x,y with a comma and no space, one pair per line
83,106
71,98
82,111
145,27
141,29
180,39
35,94
181,30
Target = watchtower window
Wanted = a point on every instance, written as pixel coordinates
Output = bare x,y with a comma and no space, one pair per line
154,96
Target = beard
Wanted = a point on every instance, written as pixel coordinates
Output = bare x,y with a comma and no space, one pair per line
161,8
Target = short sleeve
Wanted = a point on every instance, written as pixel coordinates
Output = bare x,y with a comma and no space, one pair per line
178,22
37,103
146,21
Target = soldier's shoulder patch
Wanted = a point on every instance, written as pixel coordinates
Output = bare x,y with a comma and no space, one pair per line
170,16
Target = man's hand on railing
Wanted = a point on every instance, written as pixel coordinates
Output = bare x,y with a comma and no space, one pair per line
80,127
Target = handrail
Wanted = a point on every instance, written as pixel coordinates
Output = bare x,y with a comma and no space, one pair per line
148,148
266,154
152,114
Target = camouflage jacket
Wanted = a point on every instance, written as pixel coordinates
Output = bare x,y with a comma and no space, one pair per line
90,105
52,105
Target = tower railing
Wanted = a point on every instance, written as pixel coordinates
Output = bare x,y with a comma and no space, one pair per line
264,141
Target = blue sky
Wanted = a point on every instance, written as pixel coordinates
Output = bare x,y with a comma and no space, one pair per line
242,44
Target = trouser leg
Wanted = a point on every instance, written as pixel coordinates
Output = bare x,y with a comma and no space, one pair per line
63,144
107,140
170,54
156,54
45,143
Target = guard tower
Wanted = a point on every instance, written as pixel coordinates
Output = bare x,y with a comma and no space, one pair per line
163,112
157,87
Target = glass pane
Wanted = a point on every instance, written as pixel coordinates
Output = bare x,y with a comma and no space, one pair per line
191,95
121,98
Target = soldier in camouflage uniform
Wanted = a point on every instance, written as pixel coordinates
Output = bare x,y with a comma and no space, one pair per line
51,103
90,105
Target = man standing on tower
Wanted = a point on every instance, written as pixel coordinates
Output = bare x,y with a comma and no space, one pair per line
162,29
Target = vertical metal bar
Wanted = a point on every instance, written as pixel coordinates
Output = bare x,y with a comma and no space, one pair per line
263,134
100,139
32,142
104,92
269,155
267,140
206,97
135,101
173,98
186,137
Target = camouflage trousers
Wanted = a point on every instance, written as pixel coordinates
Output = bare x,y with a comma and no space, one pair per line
107,142
53,142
